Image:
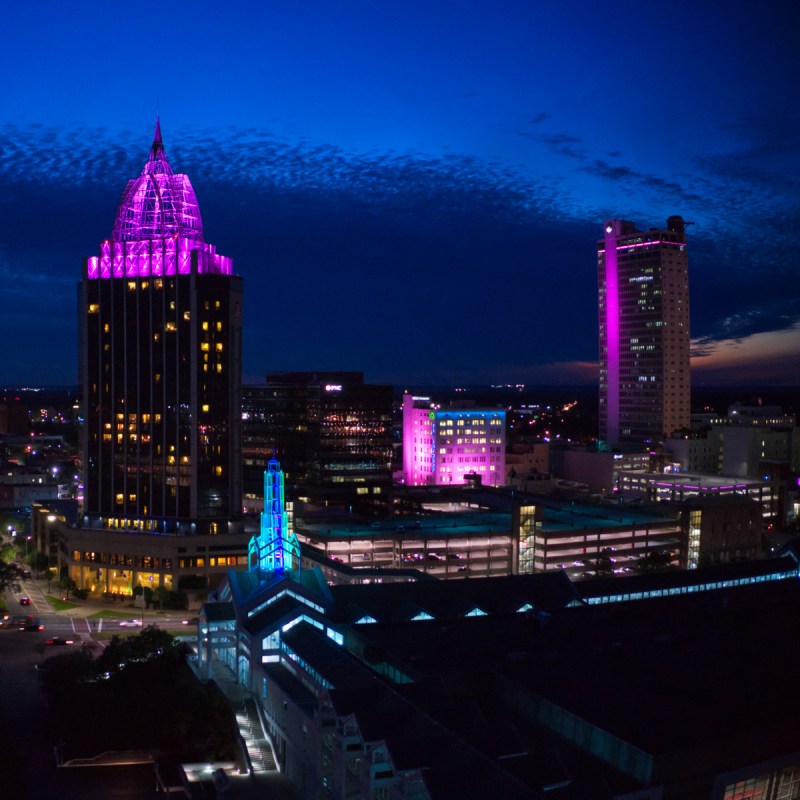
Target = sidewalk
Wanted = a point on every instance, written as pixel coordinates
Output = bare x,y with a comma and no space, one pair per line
93,604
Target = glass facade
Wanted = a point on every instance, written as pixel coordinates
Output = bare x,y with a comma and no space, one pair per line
331,432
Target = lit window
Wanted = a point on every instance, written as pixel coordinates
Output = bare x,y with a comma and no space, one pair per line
205,407
187,315
94,308
218,470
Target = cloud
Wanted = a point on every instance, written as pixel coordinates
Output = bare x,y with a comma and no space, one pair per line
386,262
403,264
623,174
564,144
771,357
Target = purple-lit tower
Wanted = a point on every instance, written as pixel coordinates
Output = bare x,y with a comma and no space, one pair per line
160,349
644,332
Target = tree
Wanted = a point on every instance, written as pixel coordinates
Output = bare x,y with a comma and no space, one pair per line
146,591
655,561
10,576
67,585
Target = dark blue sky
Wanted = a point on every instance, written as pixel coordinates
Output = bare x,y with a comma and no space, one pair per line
413,190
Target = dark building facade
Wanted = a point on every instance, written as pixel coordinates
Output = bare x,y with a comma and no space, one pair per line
331,432
160,346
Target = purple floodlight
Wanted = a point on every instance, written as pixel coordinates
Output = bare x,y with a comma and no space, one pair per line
158,203
158,230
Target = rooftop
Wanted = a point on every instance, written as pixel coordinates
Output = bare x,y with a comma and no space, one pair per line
159,203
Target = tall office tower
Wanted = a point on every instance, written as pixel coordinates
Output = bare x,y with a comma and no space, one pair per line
160,348
331,432
644,332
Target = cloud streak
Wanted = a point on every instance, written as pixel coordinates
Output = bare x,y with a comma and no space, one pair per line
345,252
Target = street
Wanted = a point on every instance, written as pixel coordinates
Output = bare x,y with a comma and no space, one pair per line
23,712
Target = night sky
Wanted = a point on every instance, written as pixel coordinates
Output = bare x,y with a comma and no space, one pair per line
413,190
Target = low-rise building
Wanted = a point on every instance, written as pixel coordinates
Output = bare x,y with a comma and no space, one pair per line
672,487
499,687
454,446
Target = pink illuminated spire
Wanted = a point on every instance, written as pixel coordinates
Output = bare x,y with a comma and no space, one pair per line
157,162
159,203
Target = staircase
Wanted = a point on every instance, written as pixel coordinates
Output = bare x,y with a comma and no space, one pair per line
258,745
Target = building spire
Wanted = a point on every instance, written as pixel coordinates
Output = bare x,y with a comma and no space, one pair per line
157,150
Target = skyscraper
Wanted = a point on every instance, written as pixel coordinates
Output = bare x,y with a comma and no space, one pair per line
160,348
644,332
331,432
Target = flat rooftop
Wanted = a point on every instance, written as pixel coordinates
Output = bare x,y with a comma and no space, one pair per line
694,481
667,675
564,516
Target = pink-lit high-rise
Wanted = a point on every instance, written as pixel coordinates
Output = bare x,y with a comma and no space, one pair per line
644,332
161,366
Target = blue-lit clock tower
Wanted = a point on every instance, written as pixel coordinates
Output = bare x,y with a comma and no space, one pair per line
275,548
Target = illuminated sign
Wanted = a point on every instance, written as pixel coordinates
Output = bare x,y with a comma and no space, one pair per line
333,387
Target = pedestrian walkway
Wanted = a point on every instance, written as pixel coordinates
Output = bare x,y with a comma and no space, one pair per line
259,747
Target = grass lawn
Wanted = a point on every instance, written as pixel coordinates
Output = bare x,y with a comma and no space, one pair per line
108,614
123,633
60,605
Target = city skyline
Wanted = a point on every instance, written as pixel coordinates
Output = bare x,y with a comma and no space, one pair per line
415,195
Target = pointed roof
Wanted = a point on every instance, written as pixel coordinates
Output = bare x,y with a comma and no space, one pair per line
158,156
159,204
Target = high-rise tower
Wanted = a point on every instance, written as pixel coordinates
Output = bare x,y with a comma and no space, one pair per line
160,347
644,332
